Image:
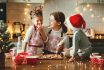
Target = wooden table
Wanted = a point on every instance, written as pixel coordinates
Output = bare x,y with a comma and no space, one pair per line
54,65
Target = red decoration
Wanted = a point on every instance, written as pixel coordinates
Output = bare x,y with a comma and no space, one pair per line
32,60
95,59
77,21
21,58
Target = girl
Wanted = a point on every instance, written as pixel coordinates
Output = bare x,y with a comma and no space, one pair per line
80,44
57,39
35,36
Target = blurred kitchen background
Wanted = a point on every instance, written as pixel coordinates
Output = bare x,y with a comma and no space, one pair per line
18,19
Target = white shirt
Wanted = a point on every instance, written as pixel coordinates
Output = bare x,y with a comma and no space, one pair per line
28,34
55,40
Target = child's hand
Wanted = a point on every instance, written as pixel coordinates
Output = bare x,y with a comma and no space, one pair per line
39,28
71,48
59,48
71,59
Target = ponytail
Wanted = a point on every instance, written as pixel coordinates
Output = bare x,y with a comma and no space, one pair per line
64,28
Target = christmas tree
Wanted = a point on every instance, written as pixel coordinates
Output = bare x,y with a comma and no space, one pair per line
5,42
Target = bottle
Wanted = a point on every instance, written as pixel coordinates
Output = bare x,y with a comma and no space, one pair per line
19,44
100,36
96,36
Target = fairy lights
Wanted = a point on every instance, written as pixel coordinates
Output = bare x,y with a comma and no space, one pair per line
1,10
90,9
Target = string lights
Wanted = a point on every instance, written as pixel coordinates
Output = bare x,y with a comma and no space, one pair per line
89,8
1,10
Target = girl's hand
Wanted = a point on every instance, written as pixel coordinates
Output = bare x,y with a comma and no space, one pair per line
71,59
39,28
71,48
60,48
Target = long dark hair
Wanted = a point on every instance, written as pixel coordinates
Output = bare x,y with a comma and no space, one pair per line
60,17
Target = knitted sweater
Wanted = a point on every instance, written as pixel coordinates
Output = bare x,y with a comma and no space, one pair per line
80,42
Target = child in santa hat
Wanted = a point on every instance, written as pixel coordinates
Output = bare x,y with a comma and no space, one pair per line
81,46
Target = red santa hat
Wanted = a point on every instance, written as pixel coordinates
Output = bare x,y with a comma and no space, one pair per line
76,21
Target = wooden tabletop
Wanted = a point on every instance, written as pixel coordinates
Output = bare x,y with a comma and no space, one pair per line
54,65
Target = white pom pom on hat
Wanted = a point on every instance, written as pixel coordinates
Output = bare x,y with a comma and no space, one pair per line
76,21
